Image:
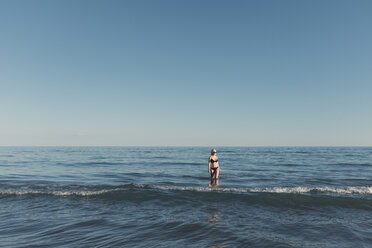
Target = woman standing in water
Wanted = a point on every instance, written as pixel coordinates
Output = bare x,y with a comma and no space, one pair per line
213,165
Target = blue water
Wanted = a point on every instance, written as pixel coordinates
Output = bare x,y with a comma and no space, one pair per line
161,196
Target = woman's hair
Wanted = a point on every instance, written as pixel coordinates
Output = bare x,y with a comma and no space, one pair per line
213,151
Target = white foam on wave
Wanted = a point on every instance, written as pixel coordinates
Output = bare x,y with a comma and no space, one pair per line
56,192
364,190
200,189
279,190
303,190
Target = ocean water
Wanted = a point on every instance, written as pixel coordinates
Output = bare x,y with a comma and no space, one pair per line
162,197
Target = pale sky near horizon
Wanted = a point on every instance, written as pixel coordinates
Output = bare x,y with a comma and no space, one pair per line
192,72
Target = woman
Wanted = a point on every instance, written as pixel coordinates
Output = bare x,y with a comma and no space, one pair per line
213,166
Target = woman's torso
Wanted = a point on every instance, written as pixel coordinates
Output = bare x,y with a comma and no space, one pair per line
214,161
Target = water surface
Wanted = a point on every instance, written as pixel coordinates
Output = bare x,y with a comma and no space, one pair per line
160,196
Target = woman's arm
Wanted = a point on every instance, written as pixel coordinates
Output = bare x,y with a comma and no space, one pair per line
209,165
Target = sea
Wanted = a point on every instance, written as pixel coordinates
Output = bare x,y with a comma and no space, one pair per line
163,197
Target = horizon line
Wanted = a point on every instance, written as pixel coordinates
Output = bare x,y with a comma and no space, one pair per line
186,146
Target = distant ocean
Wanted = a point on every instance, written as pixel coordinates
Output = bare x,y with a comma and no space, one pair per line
160,197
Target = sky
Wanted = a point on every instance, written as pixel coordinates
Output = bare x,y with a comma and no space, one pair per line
185,73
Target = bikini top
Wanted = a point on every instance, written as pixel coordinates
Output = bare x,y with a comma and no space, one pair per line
214,161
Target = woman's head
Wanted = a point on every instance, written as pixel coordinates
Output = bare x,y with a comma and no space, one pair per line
213,152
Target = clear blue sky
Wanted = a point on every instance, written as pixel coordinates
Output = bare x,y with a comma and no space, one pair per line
192,72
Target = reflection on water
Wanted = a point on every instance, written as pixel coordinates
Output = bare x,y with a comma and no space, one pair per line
214,219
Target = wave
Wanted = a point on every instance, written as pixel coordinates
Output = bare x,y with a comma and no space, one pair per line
279,190
302,190
56,192
92,190
169,195
352,164
91,163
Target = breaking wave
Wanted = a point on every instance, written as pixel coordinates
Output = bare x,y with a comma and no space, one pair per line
92,190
